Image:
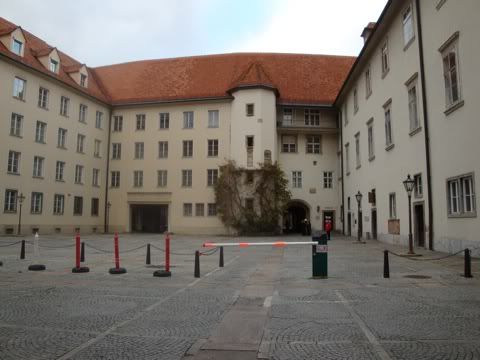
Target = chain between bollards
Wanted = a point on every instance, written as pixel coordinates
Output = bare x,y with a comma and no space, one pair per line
468,264
197,264
386,265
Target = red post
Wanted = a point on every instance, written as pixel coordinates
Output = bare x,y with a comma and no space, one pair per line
77,251
167,252
117,256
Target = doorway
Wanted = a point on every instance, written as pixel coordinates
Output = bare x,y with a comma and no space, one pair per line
419,225
374,224
349,224
149,218
293,217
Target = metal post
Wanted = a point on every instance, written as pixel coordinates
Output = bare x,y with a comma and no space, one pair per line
148,259
82,253
410,237
197,264
22,250
117,269
21,197
468,264
220,261
78,257
166,272
386,265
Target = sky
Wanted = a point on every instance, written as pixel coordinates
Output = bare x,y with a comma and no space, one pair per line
104,32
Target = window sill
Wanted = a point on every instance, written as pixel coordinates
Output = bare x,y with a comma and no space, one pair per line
371,158
212,127
57,214
95,186
187,128
97,156
462,216
405,48
418,196
139,129
36,213
80,152
17,136
82,122
389,147
60,180
78,183
10,211
415,131
61,147
13,173
385,73
457,105
77,214
41,142
19,98
43,108
64,115
37,177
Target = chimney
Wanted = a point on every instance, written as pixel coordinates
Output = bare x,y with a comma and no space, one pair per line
367,31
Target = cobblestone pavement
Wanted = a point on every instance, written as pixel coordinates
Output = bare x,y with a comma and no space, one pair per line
262,292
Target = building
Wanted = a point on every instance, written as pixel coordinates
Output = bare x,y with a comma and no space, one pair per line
137,146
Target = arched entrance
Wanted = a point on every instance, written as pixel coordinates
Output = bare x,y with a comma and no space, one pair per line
296,212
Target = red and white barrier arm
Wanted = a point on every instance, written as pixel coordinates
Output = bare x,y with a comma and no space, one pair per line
247,244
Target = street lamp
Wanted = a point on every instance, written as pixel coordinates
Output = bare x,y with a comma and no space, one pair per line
358,196
20,199
409,184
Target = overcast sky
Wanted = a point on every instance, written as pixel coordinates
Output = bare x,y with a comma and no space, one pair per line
101,32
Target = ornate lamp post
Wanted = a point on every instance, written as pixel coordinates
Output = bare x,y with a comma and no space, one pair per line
358,196
409,184
20,199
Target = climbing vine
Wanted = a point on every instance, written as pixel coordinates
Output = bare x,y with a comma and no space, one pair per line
251,201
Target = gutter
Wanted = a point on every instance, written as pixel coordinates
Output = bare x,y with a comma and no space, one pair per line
340,124
106,212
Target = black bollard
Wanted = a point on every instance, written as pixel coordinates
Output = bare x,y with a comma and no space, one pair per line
220,261
386,265
22,250
468,264
197,264
82,253
147,258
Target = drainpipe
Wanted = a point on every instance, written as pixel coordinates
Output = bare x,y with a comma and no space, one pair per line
340,126
426,132
107,209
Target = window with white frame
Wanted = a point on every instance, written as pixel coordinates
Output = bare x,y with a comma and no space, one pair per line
82,116
312,117
83,80
138,178
19,88
164,120
212,177
140,123
40,132
388,124
187,209
95,204
418,189
80,143
17,47
357,150
36,203
188,120
199,209
187,178
461,196
10,204
59,171
64,105
139,150
289,143
327,179
53,66
116,151
451,72
77,205
368,82
13,166
347,158
78,174
162,178
385,58
413,105
43,98
296,179
392,205
115,179
118,123
97,148
96,177
163,149
38,162
16,125
371,140
212,148
212,209
61,138
187,148
213,121
313,144
355,100
287,117
408,29
98,119
58,204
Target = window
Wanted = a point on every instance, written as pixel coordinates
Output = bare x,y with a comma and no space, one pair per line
77,205
10,200
461,196
212,177
250,109
40,131
38,166
59,170
19,88
188,120
312,117
96,177
115,179
451,71
163,149
313,144
357,150
116,151
83,80
16,125
187,148
392,205
98,119
94,207
53,66
58,204
139,150
64,105
250,204
97,148
187,178
78,174
187,209
385,59
296,179
355,100
267,157
287,118
371,140
82,117
368,82
347,158
212,148
140,124
412,106
213,119
43,98
117,123
249,177
138,178
212,209
199,210
17,47
62,138
418,189
13,166
327,179
80,143
164,120
289,143
162,178
249,141
388,125
408,32
36,203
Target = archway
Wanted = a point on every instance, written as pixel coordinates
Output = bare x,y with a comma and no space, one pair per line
297,211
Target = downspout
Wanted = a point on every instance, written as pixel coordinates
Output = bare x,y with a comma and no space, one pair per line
427,135
107,208
340,125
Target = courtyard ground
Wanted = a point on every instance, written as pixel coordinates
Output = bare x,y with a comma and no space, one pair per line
262,305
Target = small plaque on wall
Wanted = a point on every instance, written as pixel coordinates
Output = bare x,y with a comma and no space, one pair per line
394,226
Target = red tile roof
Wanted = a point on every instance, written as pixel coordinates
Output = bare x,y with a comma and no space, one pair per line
254,75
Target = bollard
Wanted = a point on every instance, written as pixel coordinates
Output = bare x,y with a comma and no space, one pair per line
82,252
320,256
117,269
22,250
166,272
220,261
36,251
468,264
386,265
78,269
147,258
197,264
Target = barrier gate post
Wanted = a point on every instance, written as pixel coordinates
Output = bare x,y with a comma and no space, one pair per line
320,256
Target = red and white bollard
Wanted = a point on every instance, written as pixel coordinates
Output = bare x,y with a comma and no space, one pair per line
78,268
166,272
117,269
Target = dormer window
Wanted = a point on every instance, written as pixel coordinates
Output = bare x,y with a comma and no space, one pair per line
17,47
53,66
83,80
